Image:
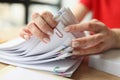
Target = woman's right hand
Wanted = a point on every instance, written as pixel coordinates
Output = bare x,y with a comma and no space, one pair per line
41,26
103,38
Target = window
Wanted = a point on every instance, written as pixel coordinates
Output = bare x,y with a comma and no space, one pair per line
18,12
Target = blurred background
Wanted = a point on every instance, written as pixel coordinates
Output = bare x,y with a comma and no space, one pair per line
17,13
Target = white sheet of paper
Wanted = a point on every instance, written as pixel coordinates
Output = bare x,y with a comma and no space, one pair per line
63,64
25,74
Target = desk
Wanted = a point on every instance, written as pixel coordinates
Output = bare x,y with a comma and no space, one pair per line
82,73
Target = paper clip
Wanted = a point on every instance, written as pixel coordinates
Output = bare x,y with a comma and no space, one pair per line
60,73
59,34
56,69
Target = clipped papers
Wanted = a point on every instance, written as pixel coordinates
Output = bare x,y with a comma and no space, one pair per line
52,57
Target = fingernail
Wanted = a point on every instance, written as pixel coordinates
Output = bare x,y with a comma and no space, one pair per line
46,40
76,52
75,44
49,33
34,15
66,29
26,37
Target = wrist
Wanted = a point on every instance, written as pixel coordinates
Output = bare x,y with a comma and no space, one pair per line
116,37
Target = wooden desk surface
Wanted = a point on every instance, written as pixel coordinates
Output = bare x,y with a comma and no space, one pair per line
82,73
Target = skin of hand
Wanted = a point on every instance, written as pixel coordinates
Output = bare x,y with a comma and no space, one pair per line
102,39
41,26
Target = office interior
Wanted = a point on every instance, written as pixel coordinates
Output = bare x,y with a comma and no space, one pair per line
15,14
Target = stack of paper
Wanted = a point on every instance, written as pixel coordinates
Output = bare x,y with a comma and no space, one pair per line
52,57
17,73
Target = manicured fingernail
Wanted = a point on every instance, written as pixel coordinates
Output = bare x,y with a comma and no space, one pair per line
75,44
46,40
26,37
66,29
49,33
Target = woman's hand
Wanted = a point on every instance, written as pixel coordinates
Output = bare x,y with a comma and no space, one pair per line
41,26
102,39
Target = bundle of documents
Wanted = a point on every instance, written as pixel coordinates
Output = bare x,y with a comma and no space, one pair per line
52,57
17,73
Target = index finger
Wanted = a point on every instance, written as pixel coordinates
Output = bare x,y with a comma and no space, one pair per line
48,17
41,24
93,26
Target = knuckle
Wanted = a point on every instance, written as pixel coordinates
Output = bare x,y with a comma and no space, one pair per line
74,27
94,20
46,14
71,28
53,23
37,33
29,26
82,52
35,15
97,38
82,42
32,28
43,26
89,25
48,17
92,25
41,36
